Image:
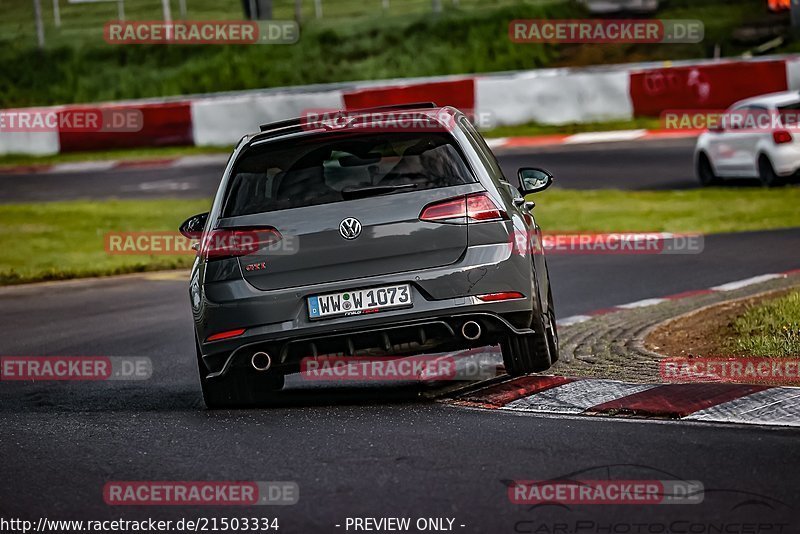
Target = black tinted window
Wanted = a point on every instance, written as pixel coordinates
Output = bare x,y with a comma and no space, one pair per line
790,114
316,169
483,150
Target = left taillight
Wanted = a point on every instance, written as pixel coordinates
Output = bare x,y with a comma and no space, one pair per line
477,207
234,242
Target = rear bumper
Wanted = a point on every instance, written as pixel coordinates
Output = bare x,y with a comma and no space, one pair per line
786,159
396,338
277,318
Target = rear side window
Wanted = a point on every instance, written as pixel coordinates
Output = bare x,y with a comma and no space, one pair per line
317,169
790,114
484,152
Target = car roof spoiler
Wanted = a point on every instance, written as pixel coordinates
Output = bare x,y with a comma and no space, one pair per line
290,123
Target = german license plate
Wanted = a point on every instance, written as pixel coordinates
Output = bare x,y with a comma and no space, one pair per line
359,302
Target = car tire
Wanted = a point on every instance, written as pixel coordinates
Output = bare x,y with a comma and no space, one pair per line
705,172
766,172
237,388
552,328
525,354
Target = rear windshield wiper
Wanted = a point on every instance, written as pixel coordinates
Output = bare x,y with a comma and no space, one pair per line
373,190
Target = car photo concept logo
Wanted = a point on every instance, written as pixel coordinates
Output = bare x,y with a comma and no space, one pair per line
350,228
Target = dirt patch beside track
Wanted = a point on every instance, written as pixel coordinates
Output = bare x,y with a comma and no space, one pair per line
706,331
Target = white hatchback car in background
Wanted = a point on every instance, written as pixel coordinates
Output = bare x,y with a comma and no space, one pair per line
770,151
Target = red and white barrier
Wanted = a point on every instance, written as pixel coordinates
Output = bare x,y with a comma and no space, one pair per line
34,143
709,86
163,124
554,96
459,93
224,120
546,96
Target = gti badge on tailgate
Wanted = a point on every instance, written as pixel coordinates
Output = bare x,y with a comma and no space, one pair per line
260,266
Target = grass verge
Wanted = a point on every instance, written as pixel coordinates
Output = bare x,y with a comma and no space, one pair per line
60,240
769,329
533,129
710,210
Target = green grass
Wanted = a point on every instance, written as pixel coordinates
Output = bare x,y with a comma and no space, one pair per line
83,23
770,329
533,129
59,240
711,210
78,66
121,154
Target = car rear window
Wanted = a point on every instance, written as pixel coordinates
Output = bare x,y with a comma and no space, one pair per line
315,169
790,114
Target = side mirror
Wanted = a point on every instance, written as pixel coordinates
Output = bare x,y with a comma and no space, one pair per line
193,226
533,180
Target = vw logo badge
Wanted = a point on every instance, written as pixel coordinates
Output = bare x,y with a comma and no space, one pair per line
350,228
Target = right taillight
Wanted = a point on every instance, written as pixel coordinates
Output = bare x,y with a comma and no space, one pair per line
481,207
781,136
477,207
505,295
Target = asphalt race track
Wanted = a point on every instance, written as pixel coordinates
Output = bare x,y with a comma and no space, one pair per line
372,450
622,165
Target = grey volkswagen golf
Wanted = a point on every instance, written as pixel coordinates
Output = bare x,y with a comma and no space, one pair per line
388,232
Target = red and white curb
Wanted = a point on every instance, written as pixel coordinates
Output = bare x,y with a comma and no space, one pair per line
708,402
589,138
730,286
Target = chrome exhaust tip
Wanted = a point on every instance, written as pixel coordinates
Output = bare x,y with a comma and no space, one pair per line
261,361
471,330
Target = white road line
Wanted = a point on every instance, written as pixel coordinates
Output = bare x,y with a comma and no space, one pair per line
82,166
641,303
604,137
776,406
200,160
731,286
576,397
496,142
574,319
